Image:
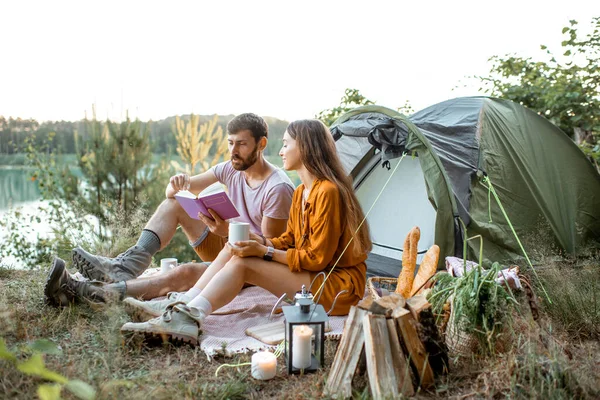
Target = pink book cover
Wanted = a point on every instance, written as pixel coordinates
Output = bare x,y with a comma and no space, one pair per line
219,202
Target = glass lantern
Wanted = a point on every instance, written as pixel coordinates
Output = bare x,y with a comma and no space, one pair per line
304,335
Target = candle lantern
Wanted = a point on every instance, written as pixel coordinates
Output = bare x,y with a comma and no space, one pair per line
304,334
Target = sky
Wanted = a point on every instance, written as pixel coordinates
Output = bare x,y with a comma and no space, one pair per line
285,59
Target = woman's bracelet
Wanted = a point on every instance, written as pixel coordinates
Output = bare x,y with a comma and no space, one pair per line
264,239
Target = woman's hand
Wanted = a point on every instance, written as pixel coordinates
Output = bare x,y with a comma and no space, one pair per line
216,224
247,248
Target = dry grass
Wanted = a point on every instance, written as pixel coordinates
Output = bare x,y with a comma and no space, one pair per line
551,359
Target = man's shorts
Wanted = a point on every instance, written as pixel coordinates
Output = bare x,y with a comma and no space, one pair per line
208,245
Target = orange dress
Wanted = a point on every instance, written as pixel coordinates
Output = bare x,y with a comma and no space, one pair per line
314,241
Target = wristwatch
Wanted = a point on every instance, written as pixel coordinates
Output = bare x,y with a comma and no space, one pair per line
269,254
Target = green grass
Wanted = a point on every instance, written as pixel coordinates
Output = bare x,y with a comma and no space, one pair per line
542,360
94,351
574,293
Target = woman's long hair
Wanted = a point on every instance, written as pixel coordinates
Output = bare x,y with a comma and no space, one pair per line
319,156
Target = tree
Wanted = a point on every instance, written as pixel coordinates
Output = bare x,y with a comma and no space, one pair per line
351,99
564,89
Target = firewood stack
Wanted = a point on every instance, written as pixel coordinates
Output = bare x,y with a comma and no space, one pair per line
400,342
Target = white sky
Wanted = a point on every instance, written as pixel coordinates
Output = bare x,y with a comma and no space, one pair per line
287,59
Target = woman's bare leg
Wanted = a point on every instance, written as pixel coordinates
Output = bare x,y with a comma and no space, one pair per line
273,276
215,266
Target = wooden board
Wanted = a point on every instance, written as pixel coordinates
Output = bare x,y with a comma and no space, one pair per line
339,381
272,333
380,365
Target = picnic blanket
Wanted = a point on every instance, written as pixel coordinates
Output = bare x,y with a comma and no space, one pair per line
223,332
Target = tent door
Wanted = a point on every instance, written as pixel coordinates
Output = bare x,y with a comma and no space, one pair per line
402,205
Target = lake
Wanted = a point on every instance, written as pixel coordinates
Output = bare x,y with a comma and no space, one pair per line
16,187
17,190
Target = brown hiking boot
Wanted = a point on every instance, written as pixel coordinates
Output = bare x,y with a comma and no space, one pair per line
61,289
127,265
179,323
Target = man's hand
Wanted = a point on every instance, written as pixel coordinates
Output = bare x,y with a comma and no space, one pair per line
247,248
180,182
216,224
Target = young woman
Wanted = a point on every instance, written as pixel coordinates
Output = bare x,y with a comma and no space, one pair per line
324,217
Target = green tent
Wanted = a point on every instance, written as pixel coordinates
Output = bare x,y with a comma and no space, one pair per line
452,151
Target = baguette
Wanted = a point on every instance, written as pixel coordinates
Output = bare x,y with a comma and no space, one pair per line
427,268
409,262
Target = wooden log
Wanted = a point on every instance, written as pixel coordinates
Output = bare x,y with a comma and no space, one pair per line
416,304
385,305
365,303
361,368
410,337
432,340
401,366
339,382
380,365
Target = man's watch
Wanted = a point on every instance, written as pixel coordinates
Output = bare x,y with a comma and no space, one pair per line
269,254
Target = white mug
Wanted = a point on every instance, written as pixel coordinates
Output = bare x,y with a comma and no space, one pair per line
238,232
167,264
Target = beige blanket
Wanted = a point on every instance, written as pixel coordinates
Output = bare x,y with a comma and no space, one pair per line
223,332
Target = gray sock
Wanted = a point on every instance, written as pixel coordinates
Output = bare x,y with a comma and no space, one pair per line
118,287
149,241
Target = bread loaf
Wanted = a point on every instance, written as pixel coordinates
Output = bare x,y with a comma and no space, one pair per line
427,268
409,262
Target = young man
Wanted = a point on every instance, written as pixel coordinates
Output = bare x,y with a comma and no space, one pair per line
261,192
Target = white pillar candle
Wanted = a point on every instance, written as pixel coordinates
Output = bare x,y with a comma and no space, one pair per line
264,365
302,347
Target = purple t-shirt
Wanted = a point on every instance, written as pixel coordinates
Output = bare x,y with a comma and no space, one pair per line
272,198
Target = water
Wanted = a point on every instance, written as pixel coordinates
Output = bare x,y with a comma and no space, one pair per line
16,187
17,190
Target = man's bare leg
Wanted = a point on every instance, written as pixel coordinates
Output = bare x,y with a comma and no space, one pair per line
179,279
167,217
156,235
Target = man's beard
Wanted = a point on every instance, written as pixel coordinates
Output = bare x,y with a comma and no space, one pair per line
246,163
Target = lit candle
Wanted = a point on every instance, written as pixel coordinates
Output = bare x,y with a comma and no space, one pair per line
302,349
264,365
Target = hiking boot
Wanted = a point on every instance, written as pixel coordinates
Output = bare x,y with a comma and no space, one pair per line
61,289
127,265
142,311
54,293
179,323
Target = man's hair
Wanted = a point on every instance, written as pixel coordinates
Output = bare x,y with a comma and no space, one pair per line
250,122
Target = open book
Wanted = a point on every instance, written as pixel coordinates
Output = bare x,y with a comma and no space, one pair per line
213,198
